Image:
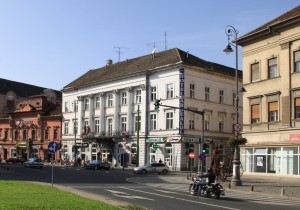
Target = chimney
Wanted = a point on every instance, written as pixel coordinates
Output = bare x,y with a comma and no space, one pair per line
109,62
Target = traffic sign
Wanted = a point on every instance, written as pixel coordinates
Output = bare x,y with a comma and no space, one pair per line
191,155
155,146
202,156
53,146
237,127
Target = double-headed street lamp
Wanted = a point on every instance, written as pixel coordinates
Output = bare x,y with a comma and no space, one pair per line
230,31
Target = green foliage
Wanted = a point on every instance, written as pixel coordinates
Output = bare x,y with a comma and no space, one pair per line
233,142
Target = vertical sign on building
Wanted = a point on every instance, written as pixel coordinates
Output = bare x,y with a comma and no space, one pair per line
181,101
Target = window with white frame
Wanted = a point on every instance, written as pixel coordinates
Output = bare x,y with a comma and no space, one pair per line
124,124
97,126
75,106
66,128
221,123
110,100
207,94
192,90
124,98
137,123
138,96
66,107
153,93
207,122
86,104
192,121
170,90
75,127
97,102
221,96
272,68
110,126
254,72
297,61
169,120
153,122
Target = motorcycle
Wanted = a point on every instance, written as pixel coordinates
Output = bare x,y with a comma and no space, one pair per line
200,187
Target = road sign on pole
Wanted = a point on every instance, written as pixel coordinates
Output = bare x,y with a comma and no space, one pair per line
191,155
52,146
155,146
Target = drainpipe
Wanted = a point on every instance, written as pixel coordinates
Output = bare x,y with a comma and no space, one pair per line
290,83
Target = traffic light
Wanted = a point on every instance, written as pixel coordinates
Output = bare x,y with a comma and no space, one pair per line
156,104
204,148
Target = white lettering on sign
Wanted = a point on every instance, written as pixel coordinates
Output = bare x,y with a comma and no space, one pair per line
24,122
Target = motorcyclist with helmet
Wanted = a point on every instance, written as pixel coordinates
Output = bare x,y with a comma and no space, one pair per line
210,175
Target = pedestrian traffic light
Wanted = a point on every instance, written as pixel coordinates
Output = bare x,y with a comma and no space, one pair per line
156,104
204,148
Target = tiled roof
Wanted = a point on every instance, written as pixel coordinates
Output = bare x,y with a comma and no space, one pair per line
21,89
141,65
293,13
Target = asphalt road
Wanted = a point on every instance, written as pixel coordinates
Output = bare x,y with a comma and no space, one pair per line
150,191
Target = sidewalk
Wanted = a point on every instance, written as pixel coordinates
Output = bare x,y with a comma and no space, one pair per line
273,185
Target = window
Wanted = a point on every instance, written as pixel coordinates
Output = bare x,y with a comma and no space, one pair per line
207,122
169,120
47,136
170,90
153,122
16,134
192,121
255,113
86,104
297,108
55,134
221,96
33,134
110,100
138,96
24,134
97,105
221,123
234,98
124,124
297,61
207,94
192,90
6,135
76,106
254,72
273,111
66,106
66,128
97,126
124,98
110,127
137,123
75,127
272,70
153,93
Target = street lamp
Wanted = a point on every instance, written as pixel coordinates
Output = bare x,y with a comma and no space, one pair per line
230,31
75,133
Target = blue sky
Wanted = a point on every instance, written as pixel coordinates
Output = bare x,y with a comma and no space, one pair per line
50,43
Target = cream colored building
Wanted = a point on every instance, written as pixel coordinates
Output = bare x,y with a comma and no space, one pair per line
271,105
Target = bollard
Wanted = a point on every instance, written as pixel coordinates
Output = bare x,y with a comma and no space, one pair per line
229,185
252,188
282,192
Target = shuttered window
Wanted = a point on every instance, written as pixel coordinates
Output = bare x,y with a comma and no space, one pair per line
255,113
297,61
297,108
254,72
273,111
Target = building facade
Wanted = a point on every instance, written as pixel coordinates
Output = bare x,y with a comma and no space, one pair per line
109,113
27,131
271,105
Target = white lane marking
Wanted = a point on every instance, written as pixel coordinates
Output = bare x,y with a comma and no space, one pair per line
166,196
126,195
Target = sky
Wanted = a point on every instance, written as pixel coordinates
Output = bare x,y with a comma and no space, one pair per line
50,43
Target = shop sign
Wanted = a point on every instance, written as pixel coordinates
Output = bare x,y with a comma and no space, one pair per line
151,140
186,139
173,139
181,101
295,137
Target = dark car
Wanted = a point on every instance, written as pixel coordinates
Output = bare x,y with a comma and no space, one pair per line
98,164
15,160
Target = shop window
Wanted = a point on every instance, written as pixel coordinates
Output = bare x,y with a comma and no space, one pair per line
168,154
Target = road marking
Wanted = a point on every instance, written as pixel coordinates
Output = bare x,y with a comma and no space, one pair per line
126,195
166,196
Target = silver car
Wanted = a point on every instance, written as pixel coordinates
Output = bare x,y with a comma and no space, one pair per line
34,163
159,168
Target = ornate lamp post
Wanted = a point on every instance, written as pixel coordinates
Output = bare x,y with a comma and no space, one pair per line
230,31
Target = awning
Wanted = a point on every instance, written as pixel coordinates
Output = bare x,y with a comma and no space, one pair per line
22,144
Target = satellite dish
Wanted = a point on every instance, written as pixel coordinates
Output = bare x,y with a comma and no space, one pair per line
153,51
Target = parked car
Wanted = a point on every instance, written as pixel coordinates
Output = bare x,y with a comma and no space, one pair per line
15,160
34,163
97,165
159,168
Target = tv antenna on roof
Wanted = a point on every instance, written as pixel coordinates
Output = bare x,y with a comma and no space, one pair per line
153,44
120,52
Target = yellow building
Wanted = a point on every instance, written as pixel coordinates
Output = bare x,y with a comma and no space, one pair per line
271,105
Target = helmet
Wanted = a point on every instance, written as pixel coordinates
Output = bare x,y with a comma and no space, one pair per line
209,170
